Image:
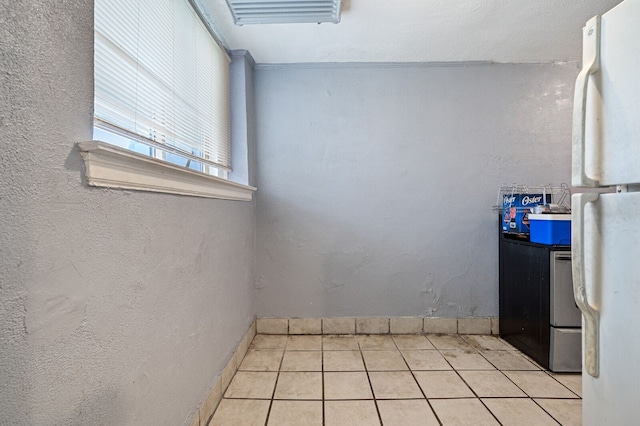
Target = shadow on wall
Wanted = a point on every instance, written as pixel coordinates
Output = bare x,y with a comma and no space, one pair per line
106,407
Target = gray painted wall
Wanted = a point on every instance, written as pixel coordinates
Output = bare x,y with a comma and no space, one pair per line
376,183
116,307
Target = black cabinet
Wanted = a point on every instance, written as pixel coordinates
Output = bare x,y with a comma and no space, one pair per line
531,278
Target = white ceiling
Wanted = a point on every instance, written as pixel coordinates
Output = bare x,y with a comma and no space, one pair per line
511,31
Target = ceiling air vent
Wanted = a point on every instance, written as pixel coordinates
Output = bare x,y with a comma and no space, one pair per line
284,11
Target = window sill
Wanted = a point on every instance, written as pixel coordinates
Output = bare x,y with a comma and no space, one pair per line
109,166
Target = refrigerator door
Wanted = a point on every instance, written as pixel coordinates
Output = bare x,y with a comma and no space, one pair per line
611,250
606,109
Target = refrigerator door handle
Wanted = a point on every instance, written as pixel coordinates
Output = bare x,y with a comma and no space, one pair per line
591,64
591,315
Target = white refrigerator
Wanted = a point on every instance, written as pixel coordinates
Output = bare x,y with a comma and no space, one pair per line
606,226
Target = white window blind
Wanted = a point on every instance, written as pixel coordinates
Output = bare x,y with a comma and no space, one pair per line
161,79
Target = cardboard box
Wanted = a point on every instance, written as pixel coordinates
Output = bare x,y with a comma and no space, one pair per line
516,209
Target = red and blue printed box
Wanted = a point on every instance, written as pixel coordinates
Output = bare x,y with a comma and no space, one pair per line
516,209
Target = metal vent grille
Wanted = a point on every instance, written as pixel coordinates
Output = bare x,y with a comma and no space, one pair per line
284,11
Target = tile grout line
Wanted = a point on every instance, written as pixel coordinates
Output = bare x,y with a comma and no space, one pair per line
508,378
501,372
550,415
567,387
366,370
463,381
476,394
275,386
527,396
324,420
418,383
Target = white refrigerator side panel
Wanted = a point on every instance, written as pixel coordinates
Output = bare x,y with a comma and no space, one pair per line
613,100
612,252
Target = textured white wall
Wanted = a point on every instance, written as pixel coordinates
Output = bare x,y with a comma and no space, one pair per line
116,307
376,183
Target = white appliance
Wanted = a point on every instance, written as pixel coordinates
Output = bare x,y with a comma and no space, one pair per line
606,227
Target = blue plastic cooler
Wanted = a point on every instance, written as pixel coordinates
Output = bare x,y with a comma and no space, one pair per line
552,229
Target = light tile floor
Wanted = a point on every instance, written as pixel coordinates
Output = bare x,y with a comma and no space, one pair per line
395,380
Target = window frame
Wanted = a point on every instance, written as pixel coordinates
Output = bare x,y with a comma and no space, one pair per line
108,163
110,166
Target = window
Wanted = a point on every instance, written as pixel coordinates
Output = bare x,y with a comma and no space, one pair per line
161,84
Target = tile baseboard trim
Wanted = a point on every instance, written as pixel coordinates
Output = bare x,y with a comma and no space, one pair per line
378,325
208,406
